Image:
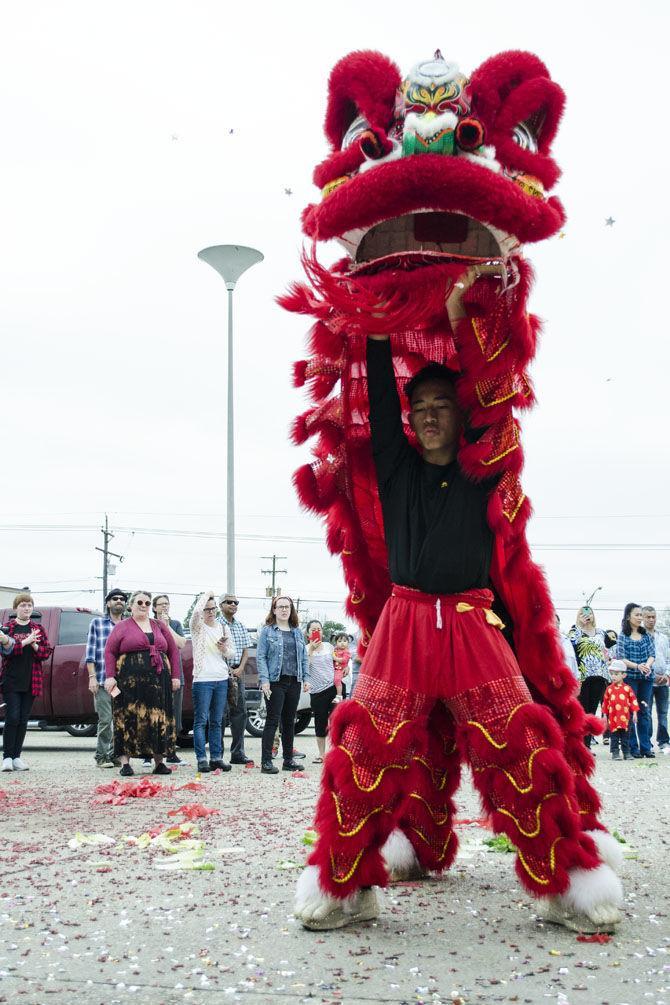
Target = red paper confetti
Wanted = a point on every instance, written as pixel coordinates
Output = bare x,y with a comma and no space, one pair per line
117,793
298,774
478,821
191,787
192,812
600,937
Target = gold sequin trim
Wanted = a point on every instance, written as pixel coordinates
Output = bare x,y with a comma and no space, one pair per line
439,818
359,826
538,809
518,787
552,864
476,325
424,838
345,879
371,788
405,722
439,786
498,746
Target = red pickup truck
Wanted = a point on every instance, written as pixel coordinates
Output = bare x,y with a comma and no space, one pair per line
66,699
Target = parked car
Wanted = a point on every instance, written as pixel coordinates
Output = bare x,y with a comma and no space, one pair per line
66,700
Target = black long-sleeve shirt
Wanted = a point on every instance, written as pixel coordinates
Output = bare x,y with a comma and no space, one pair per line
435,525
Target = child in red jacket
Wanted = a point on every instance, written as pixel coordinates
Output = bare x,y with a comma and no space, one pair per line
619,704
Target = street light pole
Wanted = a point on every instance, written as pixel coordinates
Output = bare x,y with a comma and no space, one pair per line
230,261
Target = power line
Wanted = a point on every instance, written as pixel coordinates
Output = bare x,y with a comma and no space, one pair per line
302,539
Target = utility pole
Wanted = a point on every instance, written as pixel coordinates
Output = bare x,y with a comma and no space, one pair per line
107,536
273,571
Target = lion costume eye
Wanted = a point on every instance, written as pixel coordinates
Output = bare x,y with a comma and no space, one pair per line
357,127
524,137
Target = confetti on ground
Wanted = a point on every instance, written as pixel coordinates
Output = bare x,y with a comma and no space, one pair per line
192,811
80,839
600,937
117,793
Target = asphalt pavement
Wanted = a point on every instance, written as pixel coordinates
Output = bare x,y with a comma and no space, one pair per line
131,918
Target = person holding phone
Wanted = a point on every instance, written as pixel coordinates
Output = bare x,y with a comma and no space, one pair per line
281,658
323,683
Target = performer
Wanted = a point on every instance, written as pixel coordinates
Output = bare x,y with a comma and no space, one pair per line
432,184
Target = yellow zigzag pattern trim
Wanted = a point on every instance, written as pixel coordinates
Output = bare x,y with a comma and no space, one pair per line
345,879
552,864
511,779
359,826
424,838
374,722
439,818
498,746
538,809
439,786
371,788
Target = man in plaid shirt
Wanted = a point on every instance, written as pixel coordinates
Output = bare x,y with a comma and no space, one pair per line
237,711
98,632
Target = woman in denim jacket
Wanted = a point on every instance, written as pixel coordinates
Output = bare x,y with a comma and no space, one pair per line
281,658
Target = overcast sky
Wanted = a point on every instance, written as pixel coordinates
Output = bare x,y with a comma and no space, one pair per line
135,134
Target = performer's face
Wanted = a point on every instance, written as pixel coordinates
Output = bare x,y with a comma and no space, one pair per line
435,416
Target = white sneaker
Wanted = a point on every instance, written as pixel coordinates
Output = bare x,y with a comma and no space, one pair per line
20,765
7,764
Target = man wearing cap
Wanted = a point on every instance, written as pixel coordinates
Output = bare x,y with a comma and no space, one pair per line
98,632
237,706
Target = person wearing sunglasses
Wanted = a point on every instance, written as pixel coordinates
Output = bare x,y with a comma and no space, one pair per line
212,647
281,658
236,704
142,671
99,631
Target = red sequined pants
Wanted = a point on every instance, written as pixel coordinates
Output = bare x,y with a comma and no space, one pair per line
397,746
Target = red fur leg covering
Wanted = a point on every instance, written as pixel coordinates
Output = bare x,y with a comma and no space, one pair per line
427,816
516,751
376,737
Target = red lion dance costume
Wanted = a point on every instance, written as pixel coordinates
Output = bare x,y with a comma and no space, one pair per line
427,179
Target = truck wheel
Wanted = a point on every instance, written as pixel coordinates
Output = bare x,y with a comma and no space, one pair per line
256,720
82,729
303,719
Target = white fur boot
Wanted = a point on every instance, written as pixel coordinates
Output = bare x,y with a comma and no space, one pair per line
591,903
400,859
609,850
318,911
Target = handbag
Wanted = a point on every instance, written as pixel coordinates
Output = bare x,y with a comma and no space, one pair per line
233,691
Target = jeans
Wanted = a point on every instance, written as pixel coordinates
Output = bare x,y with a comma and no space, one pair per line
104,750
17,712
640,737
236,716
661,699
619,737
209,701
282,704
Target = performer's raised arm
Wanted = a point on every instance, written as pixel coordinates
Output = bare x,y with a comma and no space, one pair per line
389,442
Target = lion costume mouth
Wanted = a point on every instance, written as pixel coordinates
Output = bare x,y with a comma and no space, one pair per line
422,238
